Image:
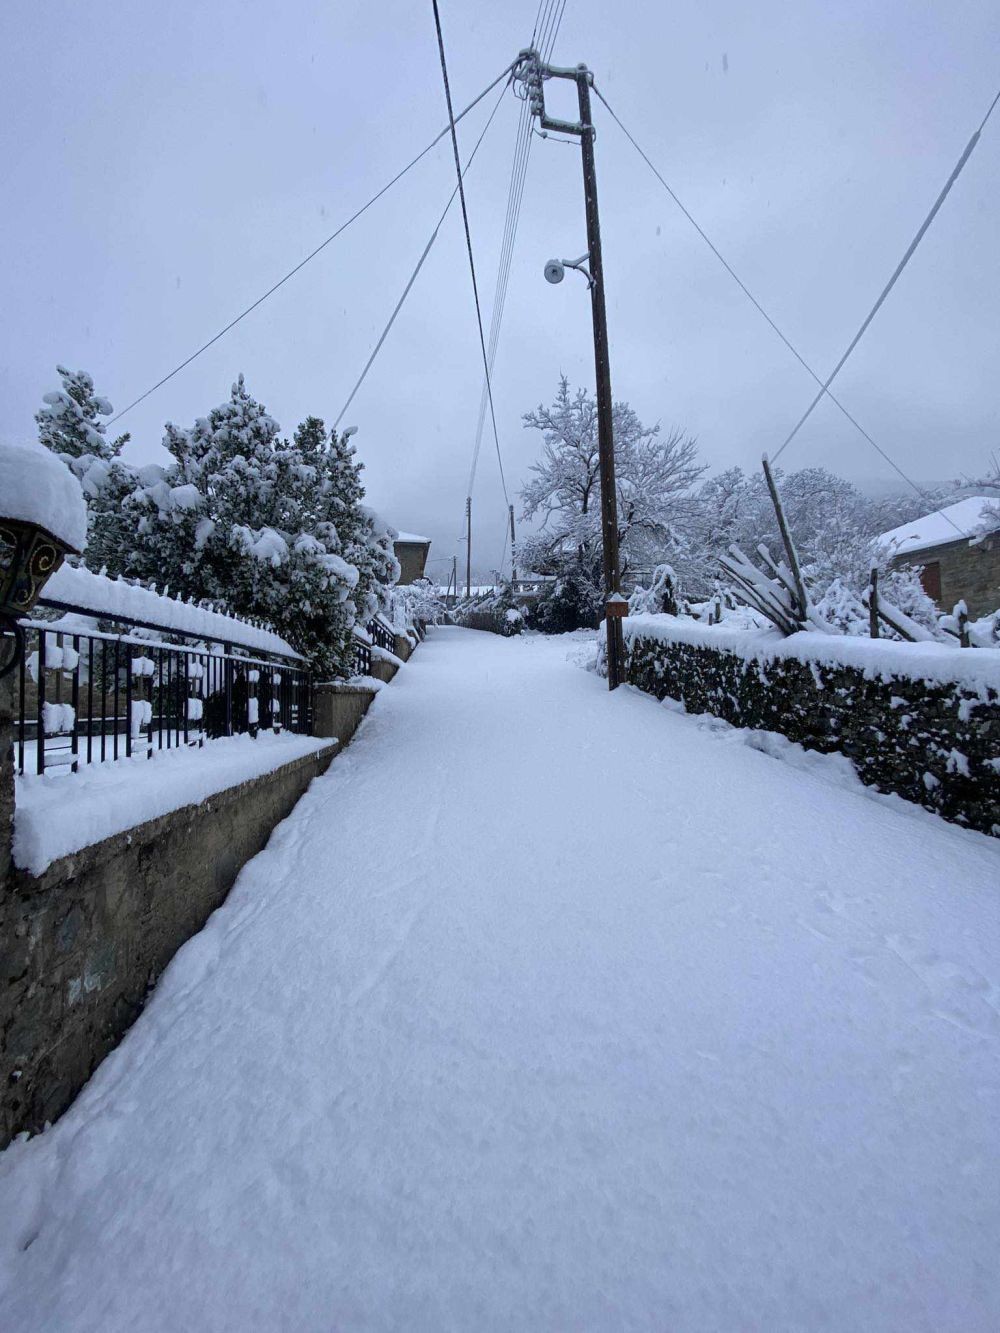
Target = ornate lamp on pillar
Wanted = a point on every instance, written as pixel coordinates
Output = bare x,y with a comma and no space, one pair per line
28,556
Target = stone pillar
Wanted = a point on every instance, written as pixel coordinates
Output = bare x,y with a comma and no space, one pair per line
402,647
6,776
338,707
382,669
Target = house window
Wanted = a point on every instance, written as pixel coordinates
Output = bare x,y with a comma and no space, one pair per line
930,580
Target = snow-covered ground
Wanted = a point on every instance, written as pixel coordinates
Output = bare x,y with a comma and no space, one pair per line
546,1010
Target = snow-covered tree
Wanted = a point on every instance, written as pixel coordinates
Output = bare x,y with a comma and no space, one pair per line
365,541
247,520
69,423
654,480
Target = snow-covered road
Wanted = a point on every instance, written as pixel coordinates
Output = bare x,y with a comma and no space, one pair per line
547,1010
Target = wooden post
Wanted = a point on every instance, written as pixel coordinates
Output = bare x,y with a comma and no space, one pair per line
873,603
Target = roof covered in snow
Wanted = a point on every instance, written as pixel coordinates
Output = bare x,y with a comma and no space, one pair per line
412,537
37,487
951,524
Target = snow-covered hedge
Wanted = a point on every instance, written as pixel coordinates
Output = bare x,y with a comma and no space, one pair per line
497,614
918,719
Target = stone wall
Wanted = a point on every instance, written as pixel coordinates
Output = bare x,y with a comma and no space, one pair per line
967,570
937,744
81,944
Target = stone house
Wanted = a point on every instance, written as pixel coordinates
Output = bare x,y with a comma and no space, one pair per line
411,552
958,551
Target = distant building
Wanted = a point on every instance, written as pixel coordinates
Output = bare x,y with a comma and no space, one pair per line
411,552
959,560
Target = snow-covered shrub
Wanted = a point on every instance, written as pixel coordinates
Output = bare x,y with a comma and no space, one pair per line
409,607
498,613
571,602
660,596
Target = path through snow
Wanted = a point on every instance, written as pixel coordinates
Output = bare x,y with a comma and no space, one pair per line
546,1010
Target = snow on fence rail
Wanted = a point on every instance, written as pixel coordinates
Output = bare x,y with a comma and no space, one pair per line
84,694
75,589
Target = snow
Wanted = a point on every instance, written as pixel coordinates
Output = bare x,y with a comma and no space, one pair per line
975,669
544,1010
85,591
950,524
412,537
37,487
53,819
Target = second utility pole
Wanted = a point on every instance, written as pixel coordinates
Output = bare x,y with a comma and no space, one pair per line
468,546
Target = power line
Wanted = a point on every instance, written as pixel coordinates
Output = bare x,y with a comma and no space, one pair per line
910,249
760,309
420,263
519,166
313,253
468,238
546,51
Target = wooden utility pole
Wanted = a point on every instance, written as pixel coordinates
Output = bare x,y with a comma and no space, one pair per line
513,547
533,74
468,546
602,365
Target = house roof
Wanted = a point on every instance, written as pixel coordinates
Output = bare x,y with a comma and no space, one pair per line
951,524
412,537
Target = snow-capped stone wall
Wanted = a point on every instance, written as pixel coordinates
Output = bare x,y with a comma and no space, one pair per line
84,938
920,720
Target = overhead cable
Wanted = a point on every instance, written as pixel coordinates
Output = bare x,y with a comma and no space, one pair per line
313,253
420,263
468,239
921,231
760,309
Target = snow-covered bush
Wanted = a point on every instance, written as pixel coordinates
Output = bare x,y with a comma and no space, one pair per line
571,602
660,596
413,605
499,613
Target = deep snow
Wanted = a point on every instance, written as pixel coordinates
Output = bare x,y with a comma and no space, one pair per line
544,1010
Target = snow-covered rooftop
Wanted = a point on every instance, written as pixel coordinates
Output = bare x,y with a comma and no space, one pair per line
36,486
962,519
412,537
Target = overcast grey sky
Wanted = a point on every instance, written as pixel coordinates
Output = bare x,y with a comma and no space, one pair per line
164,165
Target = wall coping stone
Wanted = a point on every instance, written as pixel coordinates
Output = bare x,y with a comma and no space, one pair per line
99,853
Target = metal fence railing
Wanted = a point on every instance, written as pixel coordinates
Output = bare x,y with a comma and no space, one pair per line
362,657
84,695
381,635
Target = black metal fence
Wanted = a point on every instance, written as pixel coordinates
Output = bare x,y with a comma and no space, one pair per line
83,695
381,635
362,657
